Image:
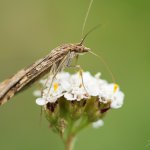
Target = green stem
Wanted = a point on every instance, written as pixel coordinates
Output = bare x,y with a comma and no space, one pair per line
69,143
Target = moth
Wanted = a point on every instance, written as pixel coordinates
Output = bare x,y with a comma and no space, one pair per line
57,60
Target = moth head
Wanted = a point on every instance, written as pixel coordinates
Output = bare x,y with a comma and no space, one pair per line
80,49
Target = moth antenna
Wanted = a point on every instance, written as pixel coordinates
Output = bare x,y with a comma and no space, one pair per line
90,31
105,64
83,27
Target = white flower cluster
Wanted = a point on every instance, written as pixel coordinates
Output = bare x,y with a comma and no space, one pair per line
75,87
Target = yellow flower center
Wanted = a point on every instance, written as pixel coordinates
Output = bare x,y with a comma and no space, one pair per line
115,87
55,86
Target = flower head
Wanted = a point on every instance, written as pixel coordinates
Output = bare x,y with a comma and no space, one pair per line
78,100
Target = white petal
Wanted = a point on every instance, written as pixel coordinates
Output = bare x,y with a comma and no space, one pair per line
69,96
52,99
41,101
98,124
66,85
98,75
117,102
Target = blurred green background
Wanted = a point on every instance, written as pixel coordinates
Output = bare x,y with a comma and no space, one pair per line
29,29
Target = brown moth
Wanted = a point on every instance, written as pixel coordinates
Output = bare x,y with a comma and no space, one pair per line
58,59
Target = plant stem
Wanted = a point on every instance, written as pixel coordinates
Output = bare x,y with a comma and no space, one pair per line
69,143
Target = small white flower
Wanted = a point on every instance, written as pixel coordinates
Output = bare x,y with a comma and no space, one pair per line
98,124
52,94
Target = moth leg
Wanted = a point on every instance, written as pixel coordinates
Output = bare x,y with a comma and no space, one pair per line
50,73
81,74
78,67
80,70
58,69
53,78
44,86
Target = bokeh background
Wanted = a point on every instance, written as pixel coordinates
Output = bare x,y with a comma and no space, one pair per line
29,29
